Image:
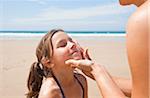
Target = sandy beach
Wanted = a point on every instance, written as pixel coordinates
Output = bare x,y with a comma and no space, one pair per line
17,55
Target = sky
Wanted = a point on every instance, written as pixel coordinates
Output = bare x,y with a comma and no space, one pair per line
71,15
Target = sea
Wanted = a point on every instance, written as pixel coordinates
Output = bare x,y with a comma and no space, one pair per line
30,34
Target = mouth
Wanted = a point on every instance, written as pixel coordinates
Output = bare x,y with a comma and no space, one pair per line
75,55
74,52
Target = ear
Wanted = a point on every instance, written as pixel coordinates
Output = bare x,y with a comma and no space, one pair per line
46,62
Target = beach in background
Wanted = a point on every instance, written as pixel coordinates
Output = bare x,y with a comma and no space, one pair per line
17,55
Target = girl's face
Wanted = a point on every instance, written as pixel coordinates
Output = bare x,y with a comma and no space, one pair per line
64,48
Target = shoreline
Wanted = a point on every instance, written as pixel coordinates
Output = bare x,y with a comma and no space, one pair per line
39,35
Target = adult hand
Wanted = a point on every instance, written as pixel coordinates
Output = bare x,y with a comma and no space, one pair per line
84,52
80,64
83,64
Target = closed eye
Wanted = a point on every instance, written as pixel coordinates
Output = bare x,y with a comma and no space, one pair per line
62,43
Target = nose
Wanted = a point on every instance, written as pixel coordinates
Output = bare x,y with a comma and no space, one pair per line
72,45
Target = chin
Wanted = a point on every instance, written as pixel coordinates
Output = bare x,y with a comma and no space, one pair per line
77,58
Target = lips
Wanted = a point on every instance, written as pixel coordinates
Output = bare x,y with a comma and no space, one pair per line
76,55
74,52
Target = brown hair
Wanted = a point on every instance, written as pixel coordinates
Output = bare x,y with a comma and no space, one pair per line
38,70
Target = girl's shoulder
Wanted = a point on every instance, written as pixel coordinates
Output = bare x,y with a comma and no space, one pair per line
49,89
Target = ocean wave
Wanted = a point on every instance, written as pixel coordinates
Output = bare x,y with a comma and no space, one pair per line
30,35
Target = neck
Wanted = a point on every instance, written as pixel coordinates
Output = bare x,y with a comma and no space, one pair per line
65,77
139,2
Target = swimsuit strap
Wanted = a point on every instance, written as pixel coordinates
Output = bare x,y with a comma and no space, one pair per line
63,95
80,85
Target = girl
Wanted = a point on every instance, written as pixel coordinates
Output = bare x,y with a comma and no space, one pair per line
50,77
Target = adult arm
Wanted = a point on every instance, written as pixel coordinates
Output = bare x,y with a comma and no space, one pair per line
123,83
106,85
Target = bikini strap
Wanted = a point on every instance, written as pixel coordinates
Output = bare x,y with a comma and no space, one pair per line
80,85
61,88
63,95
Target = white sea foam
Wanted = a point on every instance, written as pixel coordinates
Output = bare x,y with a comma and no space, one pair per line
34,35
98,35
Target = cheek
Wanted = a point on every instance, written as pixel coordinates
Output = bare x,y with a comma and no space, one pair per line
60,55
80,56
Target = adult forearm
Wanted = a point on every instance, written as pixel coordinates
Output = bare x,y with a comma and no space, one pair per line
124,84
107,86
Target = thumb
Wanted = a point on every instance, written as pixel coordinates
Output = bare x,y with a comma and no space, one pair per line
72,62
81,64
